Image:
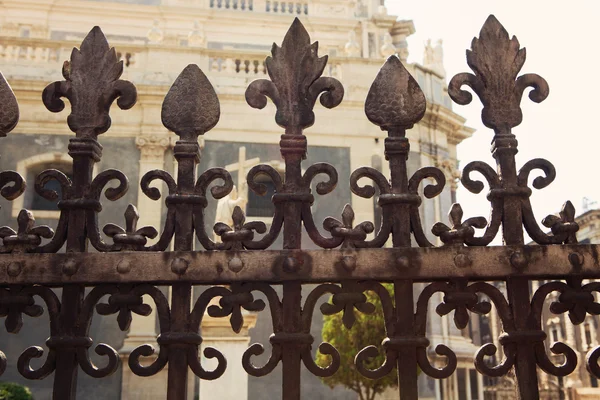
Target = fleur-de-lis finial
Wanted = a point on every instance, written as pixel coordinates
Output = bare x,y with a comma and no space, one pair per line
460,230
565,224
346,229
295,70
91,84
496,60
9,108
27,235
130,238
240,231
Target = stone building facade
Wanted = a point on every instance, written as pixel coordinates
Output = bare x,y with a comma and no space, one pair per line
229,40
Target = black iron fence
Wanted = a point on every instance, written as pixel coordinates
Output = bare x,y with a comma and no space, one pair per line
126,268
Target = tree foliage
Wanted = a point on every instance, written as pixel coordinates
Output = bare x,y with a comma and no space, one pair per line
14,391
369,329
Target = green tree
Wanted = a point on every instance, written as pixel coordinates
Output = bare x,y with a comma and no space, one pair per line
14,391
369,329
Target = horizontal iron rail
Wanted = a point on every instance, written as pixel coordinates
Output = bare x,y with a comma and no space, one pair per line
273,266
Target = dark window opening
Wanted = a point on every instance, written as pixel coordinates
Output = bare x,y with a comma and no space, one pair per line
554,332
261,206
462,384
474,385
588,335
36,202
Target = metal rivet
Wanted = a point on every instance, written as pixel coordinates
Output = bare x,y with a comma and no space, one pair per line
576,259
179,265
462,261
402,262
349,263
14,269
123,267
236,264
518,260
70,267
290,264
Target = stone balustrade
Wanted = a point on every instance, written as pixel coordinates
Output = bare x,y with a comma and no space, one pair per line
286,7
240,5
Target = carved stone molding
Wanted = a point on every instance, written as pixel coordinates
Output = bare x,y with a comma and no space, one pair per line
152,147
449,169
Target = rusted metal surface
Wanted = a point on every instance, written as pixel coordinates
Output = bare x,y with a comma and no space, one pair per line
350,262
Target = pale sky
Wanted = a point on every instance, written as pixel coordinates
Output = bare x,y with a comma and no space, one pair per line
563,44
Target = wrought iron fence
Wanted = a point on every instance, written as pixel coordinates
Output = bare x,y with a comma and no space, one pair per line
127,268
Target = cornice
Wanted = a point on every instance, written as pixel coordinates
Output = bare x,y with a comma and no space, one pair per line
441,118
587,217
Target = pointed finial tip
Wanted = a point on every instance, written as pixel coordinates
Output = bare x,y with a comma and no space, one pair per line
192,68
96,31
491,18
95,38
297,27
393,59
492,23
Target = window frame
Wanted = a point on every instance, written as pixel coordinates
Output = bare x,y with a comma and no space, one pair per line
24,166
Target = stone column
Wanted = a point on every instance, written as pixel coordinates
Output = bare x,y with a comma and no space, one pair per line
217,333
143,329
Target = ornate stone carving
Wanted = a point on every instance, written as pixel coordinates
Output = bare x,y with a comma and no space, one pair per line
388,48
196,36
152,147
433,57
449,169
155,34
352,48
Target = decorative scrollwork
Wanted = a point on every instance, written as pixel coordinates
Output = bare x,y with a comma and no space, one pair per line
164,317
257,349
12,185
154,194
53,309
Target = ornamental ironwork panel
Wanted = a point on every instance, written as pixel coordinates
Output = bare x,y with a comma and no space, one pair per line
353,258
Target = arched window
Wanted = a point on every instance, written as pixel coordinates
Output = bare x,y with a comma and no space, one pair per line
29,169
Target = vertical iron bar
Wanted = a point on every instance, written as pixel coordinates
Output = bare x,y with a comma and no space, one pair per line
187,154
397,148
293,150
504,149
406,362
85,153
291,360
